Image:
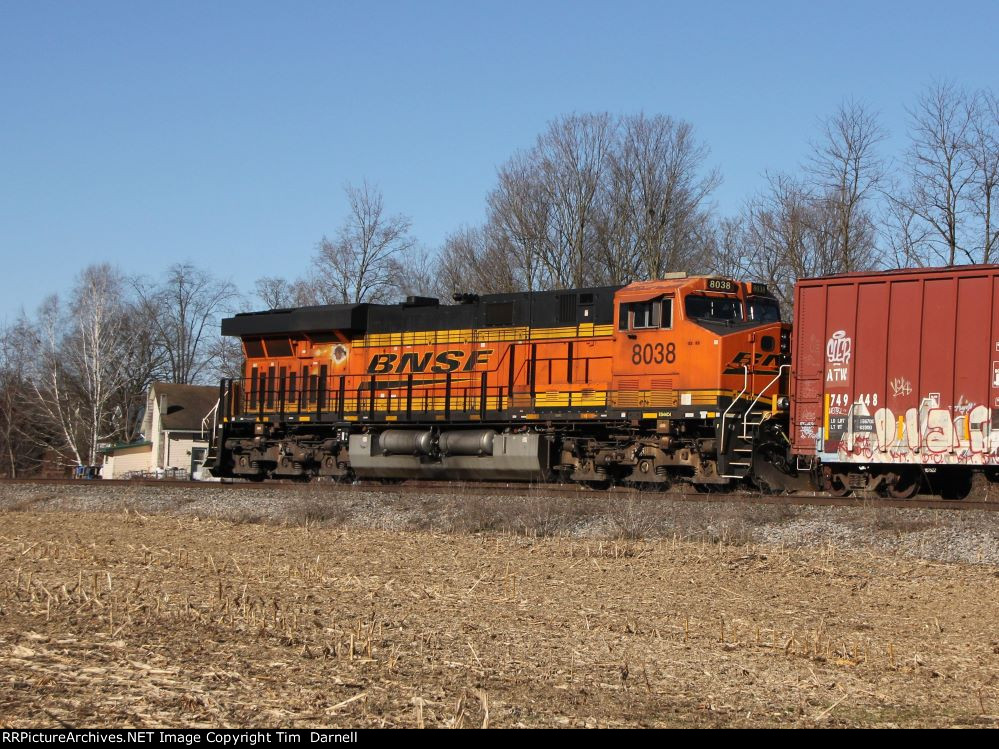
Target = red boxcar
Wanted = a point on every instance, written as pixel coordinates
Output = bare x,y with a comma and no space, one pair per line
895,374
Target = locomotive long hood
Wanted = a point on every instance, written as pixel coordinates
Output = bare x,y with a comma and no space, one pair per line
346,317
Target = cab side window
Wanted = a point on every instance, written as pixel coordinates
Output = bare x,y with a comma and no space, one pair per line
656,313
667,313
643,315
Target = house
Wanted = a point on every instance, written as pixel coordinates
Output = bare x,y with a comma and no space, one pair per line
175,431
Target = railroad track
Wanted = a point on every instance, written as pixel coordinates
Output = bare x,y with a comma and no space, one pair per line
536,490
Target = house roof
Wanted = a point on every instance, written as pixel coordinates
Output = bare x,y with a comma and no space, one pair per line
124,446
186,405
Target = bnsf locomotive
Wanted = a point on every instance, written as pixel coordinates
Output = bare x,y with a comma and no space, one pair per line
894,386
649,383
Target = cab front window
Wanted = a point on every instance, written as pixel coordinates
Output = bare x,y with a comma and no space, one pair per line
703,307
763,309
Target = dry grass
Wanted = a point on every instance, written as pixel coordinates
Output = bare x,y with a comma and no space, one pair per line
537,516
133,619
313,509
899,521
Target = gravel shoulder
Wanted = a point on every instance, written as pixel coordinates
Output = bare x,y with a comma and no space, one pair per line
938,535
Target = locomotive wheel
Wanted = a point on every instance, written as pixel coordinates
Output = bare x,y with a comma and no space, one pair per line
600,486
905,486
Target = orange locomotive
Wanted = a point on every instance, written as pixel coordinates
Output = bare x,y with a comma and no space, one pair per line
681,378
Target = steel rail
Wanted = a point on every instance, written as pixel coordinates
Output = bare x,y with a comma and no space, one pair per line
926,502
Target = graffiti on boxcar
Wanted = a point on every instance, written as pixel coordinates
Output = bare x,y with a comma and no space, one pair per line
930,434
900,387
838,348
838,351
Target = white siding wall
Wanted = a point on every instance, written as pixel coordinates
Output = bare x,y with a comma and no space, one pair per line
129,459
155,434
177,450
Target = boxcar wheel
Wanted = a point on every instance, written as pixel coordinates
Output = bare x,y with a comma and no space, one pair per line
956,486
837,487
904,486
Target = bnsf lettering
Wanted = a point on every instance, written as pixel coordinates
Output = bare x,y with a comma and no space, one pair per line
763,360
445,361
412,362
761,363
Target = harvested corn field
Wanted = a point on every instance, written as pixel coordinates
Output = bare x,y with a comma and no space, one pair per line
126,618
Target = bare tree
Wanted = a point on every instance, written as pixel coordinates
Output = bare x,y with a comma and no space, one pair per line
226,357
276,293
604,200
788,235
572,156
519,217
983,150
184,309
545,207
357,266
78,368
414,274
904,235
941,170
469,261
19,451
52,398
655,218
142,362
847,170
94,352
725,248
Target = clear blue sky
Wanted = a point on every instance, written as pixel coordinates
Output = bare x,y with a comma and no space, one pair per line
222,133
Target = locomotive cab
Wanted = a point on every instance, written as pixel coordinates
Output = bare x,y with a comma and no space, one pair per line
707,359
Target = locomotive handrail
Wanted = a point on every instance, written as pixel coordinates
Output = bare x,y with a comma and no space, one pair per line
745,417
213,414
745,386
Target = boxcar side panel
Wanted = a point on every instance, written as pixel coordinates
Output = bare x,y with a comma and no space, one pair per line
808,367
901,402
869,367
841,363
972,366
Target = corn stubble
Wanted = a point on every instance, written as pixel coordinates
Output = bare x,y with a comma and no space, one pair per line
126,619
